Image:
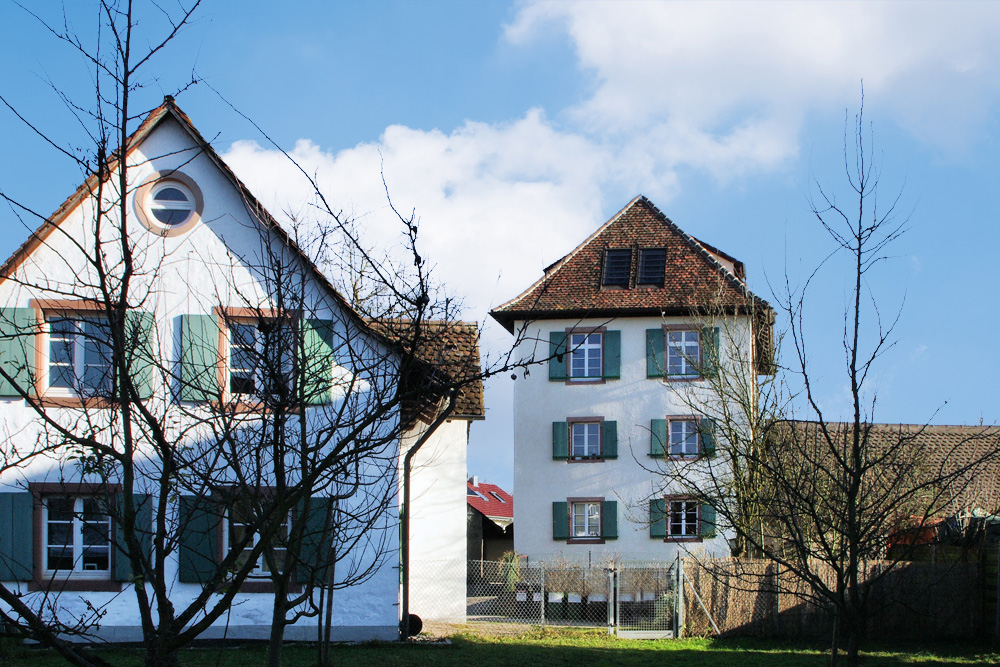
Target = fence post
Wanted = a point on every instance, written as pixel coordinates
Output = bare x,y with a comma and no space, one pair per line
679,598
541,587
611,600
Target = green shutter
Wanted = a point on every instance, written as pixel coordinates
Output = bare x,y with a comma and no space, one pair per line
560,521
657,437
560,440
557,355
317,362
17,349
143,526
707,518
17,522
314,550
198,547
199,358
609,519
609,440
612,355
707,432
655,361
140,334
658,517
710,351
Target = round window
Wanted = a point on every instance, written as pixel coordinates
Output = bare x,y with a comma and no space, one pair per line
169,203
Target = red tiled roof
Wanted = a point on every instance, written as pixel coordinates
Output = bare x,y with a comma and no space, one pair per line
491,507
694,280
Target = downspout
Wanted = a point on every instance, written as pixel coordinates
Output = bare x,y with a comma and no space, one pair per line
404,527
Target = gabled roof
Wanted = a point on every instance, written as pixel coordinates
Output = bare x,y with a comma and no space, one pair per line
695,280
480,497
169,109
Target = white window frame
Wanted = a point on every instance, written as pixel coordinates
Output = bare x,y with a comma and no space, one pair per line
681,436
77,524
677,354
189,205
590,524
590,436
588,348
81,338
260,565
684,528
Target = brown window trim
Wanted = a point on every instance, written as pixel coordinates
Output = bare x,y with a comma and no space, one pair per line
42,582
685,457
569,353
583,540
680,327
600,439
682,538
140,202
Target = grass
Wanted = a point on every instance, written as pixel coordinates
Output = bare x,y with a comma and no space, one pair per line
551,649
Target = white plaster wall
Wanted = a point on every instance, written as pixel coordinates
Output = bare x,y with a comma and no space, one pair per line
214,264
438,523
633,401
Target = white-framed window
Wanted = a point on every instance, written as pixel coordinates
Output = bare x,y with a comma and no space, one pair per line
683,353
169,203
261,359
585,355
172,203
586,517
585,440
78,356
237,527
77,537
682,518
684,437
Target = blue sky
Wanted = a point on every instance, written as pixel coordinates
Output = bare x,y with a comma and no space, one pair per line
515,129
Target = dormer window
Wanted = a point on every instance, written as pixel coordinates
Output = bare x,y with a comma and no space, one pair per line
617,267
652,267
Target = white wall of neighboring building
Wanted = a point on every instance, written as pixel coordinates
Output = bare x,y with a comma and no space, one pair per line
632,401
210,266
438,522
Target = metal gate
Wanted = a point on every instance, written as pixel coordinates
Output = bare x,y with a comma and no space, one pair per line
648,600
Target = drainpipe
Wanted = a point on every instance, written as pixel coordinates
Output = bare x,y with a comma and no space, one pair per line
404,528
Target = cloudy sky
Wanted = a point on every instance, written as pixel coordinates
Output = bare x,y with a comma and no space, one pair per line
515,129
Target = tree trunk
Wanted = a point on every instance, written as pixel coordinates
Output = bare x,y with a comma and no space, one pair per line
278,611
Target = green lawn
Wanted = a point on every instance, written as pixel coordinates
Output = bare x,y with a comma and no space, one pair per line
552,649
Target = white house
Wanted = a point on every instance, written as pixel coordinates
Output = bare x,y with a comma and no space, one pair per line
628,323
216,291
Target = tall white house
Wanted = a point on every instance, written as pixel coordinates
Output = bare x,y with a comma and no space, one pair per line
631,322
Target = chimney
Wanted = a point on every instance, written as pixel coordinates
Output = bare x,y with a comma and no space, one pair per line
474,480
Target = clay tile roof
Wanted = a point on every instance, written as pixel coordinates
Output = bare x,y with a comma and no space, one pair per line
695,279
488,504
969,453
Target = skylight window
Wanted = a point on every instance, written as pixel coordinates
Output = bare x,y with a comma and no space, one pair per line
497,496
652,266
617,267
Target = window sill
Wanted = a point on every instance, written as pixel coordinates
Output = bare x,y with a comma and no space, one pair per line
683,539
70,585
676,378
586,380
265,586
585,459
585,540
78,402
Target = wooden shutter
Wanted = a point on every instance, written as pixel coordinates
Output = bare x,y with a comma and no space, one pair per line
17,523
609,519
316,365
706,430
557,355
656,366
560,521
144,530
658,517
710,351
140,333
609,440
18,327
199,358
657,437
706,518
314,550
560,440
612,355
200,533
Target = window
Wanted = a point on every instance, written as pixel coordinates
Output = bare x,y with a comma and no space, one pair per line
682,518
586,441
617,267
261,359
497,496
652,266
585,355
78,356
684,437
683,353
169,203
77,537
239,519
586,520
